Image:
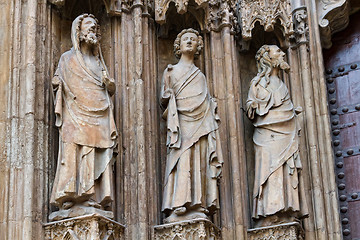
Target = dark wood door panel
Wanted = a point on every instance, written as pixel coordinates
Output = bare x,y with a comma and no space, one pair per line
342,63
352,170
354,215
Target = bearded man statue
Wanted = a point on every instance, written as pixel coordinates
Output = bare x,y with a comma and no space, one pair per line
194,158
276,197
87,132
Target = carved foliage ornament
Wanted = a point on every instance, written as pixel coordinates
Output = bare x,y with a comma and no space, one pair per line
267,13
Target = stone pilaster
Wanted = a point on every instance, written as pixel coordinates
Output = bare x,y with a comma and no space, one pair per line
197,229
287,231
94,227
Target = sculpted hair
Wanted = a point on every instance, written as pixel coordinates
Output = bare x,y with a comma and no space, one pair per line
263,63
200,44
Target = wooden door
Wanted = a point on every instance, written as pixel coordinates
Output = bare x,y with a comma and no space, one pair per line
342,63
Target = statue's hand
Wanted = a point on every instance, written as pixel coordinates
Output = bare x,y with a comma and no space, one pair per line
109,83
167,93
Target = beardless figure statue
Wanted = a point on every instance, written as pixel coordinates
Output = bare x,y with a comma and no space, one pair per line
276,197
87,132
194,158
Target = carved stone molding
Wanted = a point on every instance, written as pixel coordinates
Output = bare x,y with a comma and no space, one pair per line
301,25
94,227
333,16
267,13
197,229
288,231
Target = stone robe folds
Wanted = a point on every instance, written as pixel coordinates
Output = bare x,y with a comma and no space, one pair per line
194,157
277,159
84,115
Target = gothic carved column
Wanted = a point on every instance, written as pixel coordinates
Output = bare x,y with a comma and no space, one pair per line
306,53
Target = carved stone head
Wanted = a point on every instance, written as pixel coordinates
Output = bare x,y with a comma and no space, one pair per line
188,40
85,28
270,56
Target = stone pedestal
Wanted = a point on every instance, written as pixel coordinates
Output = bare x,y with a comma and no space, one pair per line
88,227
197,229
286,231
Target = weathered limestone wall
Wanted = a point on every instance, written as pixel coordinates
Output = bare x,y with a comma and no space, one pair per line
5,51
25,97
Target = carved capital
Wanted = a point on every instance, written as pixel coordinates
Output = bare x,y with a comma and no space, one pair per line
93,227
190,230
113,7
288,231
333,16
220,14
267,13
301,25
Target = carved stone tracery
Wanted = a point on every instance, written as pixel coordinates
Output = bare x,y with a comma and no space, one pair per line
93,227
198,229
267,13
290,231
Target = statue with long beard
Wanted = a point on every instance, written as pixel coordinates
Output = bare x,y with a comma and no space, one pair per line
276,197
87,131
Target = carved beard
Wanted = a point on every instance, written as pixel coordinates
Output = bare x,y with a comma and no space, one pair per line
89,37
281,64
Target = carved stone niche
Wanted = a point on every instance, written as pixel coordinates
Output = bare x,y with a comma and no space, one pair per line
287,231
94,227
197,229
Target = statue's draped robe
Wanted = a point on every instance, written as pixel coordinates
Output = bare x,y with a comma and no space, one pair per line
84,115
194,157
277,159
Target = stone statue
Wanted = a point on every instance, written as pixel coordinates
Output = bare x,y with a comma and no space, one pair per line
87,131
194,158
276,197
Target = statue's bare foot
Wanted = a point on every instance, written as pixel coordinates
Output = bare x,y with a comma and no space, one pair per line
67,205
203,210
92,203
180,211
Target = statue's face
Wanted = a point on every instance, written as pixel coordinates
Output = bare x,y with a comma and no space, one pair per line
88,30
188,43
276,54
278,58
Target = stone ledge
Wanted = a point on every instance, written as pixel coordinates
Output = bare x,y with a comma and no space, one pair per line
88,227
196,229
286,231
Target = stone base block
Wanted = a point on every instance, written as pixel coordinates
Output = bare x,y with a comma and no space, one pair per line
196,229
88,227
286,231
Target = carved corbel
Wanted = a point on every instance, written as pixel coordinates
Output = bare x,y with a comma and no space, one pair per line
333,16
267,13
301,25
